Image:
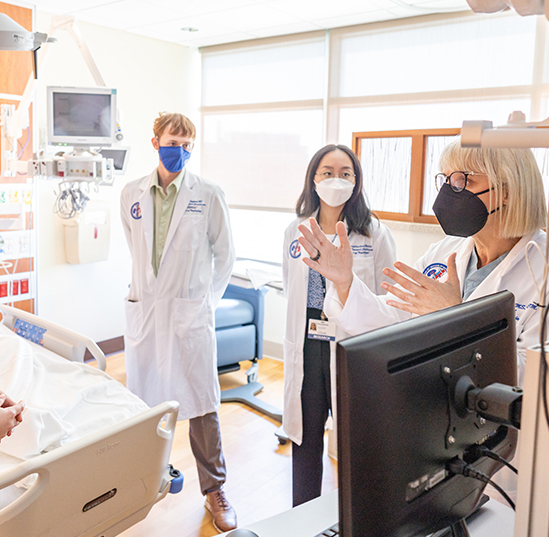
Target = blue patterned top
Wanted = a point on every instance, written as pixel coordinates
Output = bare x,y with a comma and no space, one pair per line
315,290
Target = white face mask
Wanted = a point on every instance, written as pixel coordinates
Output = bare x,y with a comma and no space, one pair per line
335,191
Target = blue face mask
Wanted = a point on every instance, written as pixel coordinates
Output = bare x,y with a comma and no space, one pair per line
174,158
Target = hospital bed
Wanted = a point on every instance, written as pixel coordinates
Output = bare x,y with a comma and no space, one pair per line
85,484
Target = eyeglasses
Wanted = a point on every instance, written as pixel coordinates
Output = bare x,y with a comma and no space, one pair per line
456,180
330,175
187,146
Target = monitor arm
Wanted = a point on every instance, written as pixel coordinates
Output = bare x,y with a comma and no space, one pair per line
67,23
496,402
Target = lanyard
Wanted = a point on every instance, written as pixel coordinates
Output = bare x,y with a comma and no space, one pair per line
323,280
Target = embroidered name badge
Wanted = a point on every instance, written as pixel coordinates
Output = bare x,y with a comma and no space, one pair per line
437,271
295,249
363,250
135,211
195,207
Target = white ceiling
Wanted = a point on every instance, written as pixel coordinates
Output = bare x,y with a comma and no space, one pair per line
226,21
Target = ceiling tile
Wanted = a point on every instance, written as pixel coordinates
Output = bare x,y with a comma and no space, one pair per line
220,39
198,7
357,18
252,17
171,30
127,14
286,29
309,10
404,9
68,6
224,21
445,5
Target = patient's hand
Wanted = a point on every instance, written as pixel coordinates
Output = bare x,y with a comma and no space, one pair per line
11,414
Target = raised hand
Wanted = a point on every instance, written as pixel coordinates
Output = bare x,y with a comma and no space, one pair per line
335,263
421,294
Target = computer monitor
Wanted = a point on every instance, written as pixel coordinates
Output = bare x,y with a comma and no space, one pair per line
398,423
81,117
120,156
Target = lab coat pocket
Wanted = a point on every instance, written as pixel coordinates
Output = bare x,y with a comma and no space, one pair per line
293,362
191,317
190,233
134,319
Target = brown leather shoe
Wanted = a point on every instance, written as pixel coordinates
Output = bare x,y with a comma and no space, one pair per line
224,517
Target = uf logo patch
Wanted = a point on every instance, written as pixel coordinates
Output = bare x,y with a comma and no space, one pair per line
135,211
436,271
295,249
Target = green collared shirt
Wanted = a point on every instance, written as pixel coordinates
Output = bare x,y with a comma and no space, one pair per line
164,204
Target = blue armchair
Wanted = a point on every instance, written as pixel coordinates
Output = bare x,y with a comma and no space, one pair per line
239,332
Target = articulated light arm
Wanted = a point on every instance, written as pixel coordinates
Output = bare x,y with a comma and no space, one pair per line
516,133
21,118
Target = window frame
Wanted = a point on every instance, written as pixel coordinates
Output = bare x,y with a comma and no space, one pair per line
417,169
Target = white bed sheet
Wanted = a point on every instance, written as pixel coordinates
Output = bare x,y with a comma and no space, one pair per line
64,400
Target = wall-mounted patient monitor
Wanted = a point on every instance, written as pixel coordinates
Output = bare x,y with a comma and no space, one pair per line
81,117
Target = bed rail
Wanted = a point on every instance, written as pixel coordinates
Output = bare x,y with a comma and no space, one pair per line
97,486
71,345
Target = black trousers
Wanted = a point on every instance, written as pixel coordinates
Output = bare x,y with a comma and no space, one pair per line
315,407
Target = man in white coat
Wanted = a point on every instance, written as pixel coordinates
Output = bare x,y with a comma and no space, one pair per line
178,231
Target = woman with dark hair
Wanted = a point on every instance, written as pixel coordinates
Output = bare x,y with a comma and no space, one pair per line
332,193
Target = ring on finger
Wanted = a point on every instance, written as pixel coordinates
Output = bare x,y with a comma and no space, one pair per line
316,257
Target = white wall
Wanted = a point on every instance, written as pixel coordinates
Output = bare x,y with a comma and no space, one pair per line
150,76
412,240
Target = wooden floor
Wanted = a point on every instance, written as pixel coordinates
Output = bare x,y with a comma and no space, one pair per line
259,480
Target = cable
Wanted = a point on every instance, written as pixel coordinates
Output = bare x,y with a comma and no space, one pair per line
72,199
543,321
536,246
459,467
544,366
26,144
483,451
543,330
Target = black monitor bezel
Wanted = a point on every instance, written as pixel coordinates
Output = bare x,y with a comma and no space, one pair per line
416,349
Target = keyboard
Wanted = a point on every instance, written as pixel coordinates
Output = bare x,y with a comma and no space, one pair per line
332,531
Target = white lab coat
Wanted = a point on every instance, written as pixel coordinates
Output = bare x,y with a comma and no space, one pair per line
370,256
170,341
364,311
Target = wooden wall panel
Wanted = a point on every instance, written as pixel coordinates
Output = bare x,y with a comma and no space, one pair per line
15,67
26,305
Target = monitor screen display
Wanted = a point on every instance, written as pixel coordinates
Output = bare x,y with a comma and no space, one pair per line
81,116
399,422
120,157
